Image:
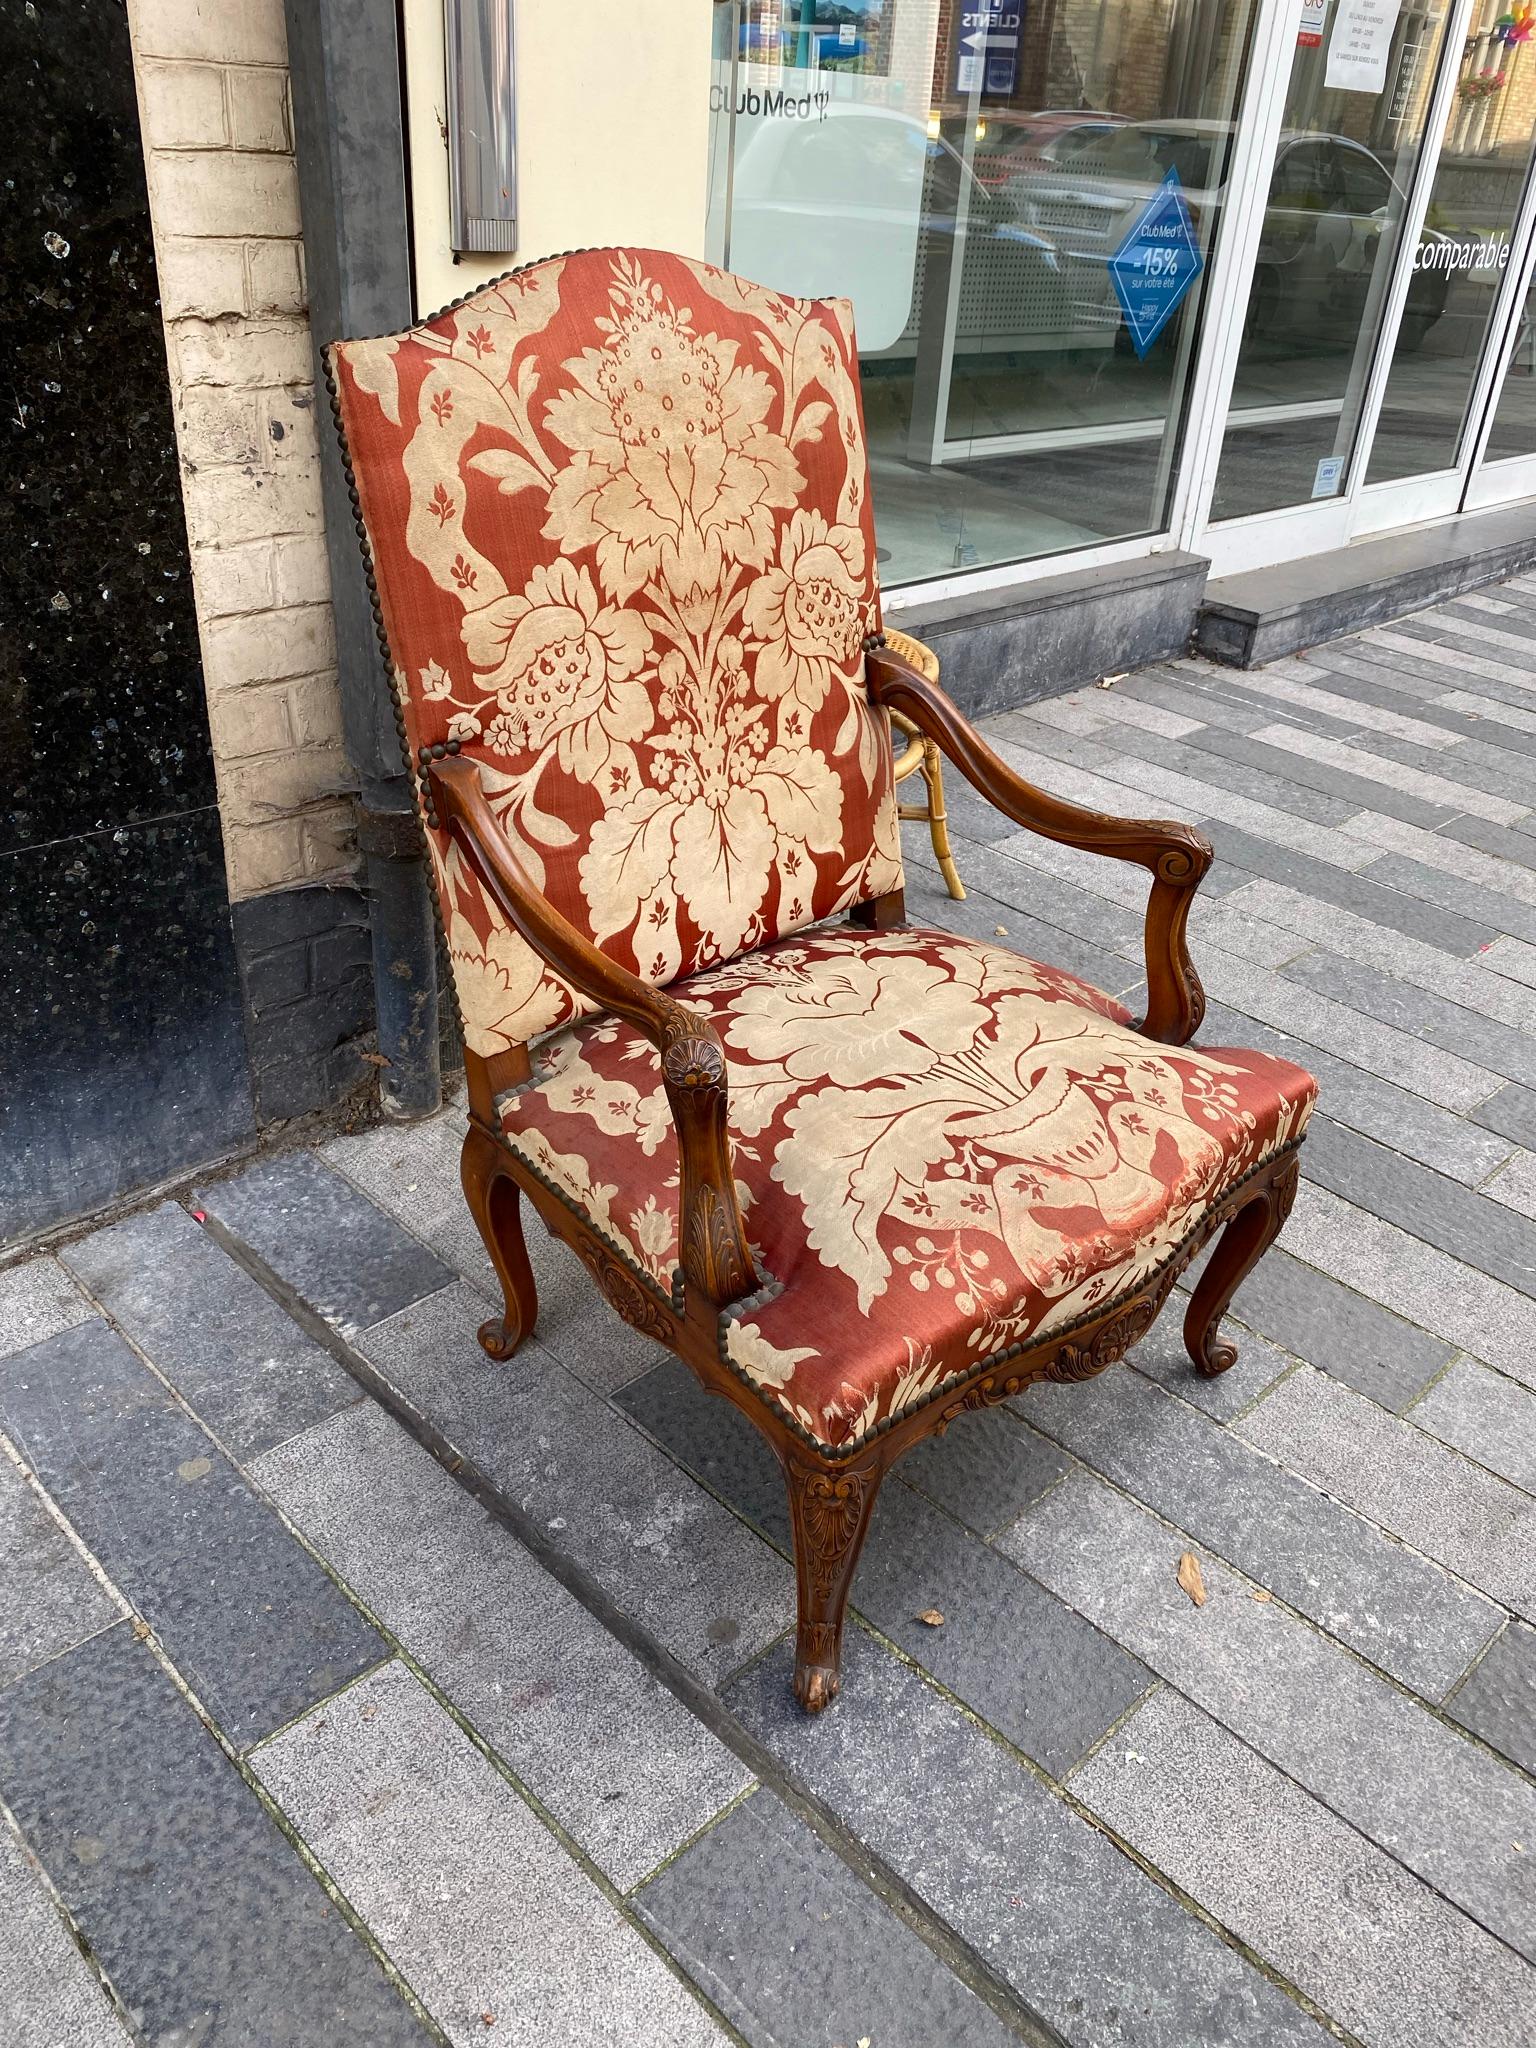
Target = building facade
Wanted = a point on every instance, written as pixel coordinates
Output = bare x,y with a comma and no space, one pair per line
1180,320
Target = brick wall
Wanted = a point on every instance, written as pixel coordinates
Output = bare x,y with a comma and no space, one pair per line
214,107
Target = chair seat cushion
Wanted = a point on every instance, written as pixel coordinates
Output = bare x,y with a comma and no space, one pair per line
943,1150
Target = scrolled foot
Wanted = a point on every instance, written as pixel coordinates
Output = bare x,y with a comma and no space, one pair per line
1214,1356
497,1341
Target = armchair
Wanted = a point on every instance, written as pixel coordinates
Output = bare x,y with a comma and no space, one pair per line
861,1175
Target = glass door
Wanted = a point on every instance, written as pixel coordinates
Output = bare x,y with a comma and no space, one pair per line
1338,219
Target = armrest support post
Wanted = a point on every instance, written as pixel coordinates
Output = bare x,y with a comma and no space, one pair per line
716,1260
1176,856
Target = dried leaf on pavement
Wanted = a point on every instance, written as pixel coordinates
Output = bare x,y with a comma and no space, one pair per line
1191,1578
932,1616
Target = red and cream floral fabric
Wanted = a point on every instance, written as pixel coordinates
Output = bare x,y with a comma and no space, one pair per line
942,1149
618,507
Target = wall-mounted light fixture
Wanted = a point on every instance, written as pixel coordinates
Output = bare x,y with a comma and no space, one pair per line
482,126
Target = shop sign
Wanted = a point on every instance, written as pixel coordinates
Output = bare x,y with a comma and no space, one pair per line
1309,30
1362,38
987,50
1156,264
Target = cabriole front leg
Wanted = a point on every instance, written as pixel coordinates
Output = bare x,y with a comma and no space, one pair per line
1244,1241
829,1511
495,1202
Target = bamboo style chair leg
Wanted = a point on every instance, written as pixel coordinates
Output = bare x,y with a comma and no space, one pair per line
1243,1242
829,1512
495,1202
938,820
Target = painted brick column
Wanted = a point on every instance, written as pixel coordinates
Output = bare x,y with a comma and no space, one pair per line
215,110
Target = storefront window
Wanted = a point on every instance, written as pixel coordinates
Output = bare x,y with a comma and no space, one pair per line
1350,135
1513,431
1463,253
1021,201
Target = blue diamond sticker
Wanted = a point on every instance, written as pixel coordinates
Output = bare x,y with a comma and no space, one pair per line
1156,264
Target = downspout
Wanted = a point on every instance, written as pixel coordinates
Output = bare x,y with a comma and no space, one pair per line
344,61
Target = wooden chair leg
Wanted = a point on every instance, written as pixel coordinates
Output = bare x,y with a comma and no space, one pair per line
938,820
495,1202
1241,1245
829,1511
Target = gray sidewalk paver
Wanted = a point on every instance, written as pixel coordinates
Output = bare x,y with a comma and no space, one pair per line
1489,1417
49,1995
245,1366
199,1911
1432,1497
254,1624
793,1948
697,1578
1498,1700
1447,1810
1335,1914
499,1933
37,1300
52,1598
351,1262
1087,1940
619,1762
1400,1611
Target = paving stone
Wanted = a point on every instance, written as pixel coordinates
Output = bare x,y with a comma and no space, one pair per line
1512,843
792,1948
49,1995
1515,1185
37,1300
349,1261
469,1894
1467,982
1338,1026
1487,1416
1514,958
1422,1130
1439,891
1468,764
255,1626
1336,1915
1416,1013
198,1910
985,1470
1511,1111
1017,1657
1161,1356
1085,1938
1188,700
1453,1301
1394,1770
1397,1610
980,915
1340,775
669,1555
221,1340
613,1755
1429,1495
1498,1701
52,1597
1482,1233
1457,850
1029,1666
1386,782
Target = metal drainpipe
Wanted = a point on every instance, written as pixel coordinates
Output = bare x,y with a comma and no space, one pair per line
344,61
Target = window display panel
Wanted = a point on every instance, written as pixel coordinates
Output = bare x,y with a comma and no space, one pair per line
1362,73
1021,202
1464,251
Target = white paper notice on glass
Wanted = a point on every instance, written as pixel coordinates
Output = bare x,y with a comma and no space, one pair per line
1362,40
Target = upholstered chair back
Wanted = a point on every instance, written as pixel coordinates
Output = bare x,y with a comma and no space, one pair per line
617,508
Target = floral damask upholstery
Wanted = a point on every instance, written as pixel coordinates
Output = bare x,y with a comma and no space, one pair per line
618,509
942,1149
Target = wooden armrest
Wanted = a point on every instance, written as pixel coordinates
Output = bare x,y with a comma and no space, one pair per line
1176,856
715,1257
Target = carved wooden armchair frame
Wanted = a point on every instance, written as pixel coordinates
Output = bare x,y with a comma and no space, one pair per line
831,1487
